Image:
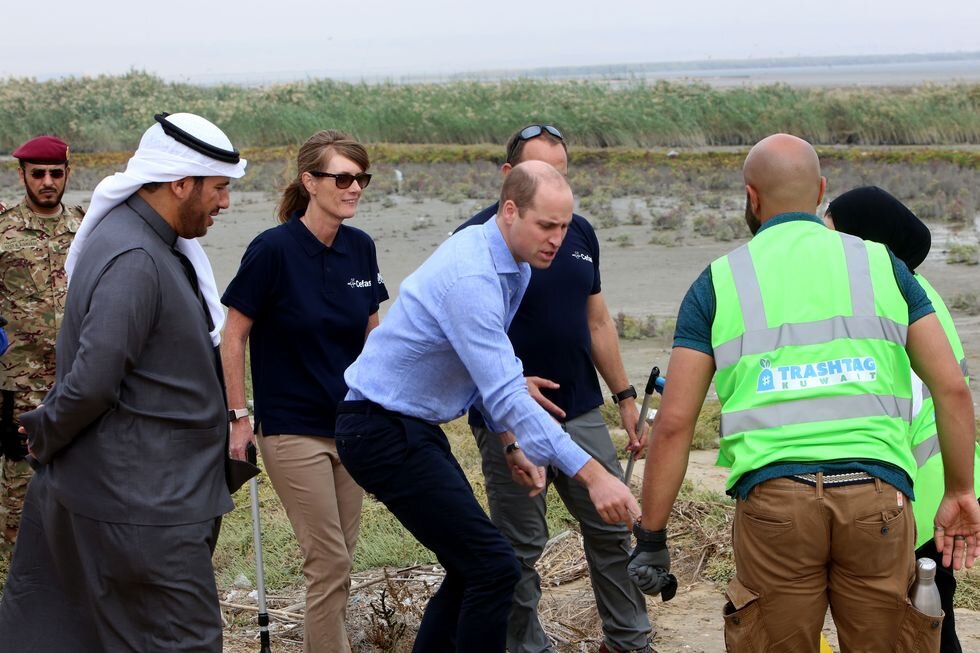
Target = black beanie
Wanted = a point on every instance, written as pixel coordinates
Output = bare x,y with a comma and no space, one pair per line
873,214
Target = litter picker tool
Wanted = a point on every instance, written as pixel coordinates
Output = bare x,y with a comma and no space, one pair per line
654,384
259,569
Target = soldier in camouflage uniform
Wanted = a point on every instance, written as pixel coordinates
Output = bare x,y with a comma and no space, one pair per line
34,240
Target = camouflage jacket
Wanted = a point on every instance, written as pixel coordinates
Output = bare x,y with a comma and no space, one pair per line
33,286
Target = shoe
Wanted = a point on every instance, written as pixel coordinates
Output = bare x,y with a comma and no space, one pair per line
603,648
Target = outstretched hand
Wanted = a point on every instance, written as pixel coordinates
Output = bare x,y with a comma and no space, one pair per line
613,501
534,386
525,473
957,533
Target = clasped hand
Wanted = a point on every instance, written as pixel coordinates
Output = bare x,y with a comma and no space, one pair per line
649,564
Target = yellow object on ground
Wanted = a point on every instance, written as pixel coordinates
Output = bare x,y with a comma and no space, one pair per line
824,646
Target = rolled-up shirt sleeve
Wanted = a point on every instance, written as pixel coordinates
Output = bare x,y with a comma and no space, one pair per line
474,311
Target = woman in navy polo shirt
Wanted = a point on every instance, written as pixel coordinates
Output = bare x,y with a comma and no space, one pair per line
305,297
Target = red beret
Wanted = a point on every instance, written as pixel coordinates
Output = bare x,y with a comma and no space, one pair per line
43,149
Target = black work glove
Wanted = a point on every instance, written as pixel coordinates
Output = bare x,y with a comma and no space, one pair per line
12,444
649,565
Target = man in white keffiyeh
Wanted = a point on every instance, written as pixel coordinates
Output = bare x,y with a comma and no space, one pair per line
194,147
130,445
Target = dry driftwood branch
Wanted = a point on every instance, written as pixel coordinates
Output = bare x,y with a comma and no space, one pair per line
282,614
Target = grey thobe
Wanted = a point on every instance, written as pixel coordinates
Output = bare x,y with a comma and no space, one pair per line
118,524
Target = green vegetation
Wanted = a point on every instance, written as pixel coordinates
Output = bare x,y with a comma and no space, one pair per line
109,112
965,253
631,327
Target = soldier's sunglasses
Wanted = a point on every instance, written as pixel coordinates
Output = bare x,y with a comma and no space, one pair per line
345,179
41,173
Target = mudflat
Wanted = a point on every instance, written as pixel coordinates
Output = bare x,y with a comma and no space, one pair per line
639,279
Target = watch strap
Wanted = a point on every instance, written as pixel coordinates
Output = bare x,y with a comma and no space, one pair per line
629,392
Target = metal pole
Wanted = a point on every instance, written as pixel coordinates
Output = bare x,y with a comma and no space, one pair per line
253,490
653,384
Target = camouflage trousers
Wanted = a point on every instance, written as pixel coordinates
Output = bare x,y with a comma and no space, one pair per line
14,476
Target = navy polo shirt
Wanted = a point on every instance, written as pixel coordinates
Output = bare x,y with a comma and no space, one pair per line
310,304
550,332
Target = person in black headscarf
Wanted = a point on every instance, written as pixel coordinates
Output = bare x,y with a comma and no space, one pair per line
873,214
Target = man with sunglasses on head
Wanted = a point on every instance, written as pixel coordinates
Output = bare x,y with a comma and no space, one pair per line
562,333
34,239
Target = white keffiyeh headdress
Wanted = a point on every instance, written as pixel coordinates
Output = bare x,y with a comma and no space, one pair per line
162,158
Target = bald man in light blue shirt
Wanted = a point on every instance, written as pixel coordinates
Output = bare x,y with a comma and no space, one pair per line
442,348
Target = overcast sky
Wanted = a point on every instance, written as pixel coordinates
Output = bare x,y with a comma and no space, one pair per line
205,40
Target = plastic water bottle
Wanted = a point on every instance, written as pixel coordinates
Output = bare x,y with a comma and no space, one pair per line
925,594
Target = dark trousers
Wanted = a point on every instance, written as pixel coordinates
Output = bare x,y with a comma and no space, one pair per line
82,585
407,464
946,582
521,519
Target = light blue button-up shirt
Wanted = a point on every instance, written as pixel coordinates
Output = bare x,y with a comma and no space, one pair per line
443,346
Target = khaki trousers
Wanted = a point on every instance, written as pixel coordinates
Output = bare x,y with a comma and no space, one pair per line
799,548
324,507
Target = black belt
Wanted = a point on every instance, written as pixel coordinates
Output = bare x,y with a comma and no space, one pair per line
366,407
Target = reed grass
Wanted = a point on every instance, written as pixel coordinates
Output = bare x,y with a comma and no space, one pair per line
109,112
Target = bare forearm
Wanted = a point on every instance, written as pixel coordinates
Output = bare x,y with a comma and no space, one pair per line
606,355
233,363
955,422
932,359
666,466
374,320
237,328
673,429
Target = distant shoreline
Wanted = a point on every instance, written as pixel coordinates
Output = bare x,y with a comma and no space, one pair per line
804,72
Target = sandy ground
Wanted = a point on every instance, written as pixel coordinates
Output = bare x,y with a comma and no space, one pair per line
639,279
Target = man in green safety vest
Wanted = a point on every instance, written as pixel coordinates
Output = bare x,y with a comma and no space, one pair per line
874,214
811,337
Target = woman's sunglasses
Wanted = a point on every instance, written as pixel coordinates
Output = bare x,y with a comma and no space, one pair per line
345,179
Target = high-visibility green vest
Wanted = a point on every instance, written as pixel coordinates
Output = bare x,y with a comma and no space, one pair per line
809,344
929,483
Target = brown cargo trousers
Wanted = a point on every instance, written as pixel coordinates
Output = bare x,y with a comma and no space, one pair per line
799,548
